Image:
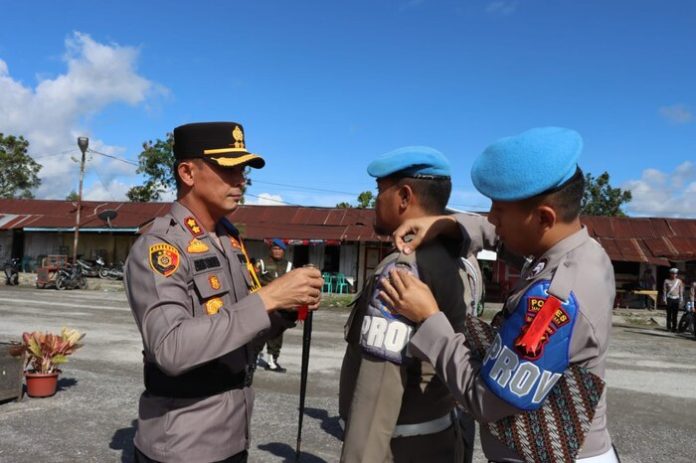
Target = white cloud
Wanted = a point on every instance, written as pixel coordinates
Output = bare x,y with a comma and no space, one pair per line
50,114
265,199
112,191
677,113
502,7
664,194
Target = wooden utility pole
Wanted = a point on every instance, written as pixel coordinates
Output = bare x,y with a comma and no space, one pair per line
83,143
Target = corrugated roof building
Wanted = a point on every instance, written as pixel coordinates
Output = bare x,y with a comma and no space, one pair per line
341,240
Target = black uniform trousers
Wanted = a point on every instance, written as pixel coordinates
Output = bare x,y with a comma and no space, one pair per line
672,309
240,457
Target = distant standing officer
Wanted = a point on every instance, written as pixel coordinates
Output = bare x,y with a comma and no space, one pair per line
276,266
554,327
647,282
673,296
198,306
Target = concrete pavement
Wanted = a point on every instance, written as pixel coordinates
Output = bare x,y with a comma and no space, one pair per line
651,376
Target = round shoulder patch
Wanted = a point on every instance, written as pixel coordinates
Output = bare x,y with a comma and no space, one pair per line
164,259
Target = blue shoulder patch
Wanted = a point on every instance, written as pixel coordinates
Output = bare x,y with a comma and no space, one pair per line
520,377
386,334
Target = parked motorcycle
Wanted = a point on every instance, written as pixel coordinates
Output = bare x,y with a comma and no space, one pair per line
91,268
688,320
70,277
115,272
11,270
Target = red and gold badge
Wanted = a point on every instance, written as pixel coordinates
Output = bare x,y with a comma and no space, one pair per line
213,306
543,318
214,282
193,226
164,259
196,246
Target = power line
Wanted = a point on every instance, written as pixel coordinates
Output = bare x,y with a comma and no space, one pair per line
126,161
297,187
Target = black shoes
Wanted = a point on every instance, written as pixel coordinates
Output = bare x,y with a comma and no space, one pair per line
273,365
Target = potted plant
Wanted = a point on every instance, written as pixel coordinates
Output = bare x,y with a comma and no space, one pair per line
45,351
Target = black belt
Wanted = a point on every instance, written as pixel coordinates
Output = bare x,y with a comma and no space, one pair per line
210,379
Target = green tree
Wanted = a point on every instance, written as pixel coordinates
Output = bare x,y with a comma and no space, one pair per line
156,162
366,199
19,173
72,196
600,198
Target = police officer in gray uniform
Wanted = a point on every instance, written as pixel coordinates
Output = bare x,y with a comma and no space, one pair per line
198,307
394,406
554,328
672,296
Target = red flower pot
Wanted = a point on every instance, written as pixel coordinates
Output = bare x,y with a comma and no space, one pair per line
41,384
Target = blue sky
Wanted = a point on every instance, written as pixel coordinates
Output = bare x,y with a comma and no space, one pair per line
323,87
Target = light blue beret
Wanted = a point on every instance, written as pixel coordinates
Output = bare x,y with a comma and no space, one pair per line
278,242
410,161
523,166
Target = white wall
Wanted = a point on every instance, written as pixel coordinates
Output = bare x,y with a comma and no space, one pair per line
348,262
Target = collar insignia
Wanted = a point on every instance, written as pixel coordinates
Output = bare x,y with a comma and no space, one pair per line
193,226
537,269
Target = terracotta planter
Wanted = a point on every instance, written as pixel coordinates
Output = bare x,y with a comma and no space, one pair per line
41,384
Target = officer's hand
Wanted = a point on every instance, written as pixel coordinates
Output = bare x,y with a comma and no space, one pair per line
408,296
423,229
300,287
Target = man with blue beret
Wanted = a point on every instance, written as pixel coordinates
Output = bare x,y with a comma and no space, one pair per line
394,406
535,378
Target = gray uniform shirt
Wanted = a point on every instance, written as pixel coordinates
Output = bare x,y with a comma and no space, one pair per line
199,312
673,289
591,278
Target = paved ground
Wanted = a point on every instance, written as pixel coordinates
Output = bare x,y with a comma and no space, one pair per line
651,375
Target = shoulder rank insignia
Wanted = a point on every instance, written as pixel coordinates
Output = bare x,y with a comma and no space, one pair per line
213,306
196,246
193,226
214,282
164,259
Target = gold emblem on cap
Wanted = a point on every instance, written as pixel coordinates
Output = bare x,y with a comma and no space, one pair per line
238,136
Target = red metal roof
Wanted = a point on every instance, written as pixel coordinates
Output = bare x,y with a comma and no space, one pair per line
305,223
651,240
655,240
33,213
258,222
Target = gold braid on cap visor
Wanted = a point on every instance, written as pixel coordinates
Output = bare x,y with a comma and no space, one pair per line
230,162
